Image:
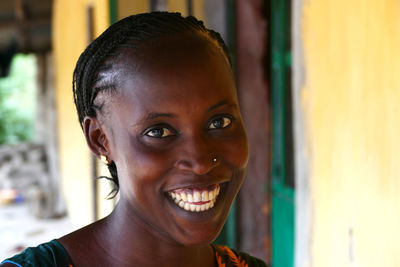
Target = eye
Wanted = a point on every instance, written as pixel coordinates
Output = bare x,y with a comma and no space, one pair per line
219,123
159,132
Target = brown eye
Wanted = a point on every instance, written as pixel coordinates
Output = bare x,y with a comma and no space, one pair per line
160,132
220,123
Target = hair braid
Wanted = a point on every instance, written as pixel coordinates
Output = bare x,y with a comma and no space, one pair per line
129,32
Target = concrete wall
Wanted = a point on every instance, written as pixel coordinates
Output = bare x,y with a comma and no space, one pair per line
348,91
24,167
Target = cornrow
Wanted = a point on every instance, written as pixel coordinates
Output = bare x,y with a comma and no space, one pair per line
132,31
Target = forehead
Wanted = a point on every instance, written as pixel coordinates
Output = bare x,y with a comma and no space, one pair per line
180,49
180,64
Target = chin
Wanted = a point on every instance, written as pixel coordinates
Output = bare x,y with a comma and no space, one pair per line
200,238
205,232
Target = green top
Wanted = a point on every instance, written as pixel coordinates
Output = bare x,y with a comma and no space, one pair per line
54,254
47,254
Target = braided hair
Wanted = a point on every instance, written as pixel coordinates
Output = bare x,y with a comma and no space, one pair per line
96,61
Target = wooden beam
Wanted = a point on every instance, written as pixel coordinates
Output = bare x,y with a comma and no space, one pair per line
254,96
26,24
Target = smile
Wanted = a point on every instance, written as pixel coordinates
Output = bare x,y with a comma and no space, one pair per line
195,199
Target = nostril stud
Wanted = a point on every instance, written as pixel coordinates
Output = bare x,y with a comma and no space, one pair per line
214,159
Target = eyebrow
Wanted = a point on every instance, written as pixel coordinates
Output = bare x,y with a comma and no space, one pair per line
154,115
219,104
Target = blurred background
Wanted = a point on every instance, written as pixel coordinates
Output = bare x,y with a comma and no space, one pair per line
319,88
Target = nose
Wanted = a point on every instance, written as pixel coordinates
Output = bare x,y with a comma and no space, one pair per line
198,156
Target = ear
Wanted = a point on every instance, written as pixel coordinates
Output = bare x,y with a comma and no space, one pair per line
96,138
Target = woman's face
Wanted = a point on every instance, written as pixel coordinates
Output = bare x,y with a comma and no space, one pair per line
175,111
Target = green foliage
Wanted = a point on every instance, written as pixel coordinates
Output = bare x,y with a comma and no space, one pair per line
17,100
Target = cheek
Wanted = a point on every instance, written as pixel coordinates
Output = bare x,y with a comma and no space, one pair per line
236,150
140,169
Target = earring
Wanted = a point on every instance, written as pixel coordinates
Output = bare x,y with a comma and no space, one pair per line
104,159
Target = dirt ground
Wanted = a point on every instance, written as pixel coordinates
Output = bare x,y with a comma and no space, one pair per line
19,229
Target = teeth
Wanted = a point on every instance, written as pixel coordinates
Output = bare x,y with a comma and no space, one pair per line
187,206
196,197
211,195
192,207
204,196
189,198
195,200
184,197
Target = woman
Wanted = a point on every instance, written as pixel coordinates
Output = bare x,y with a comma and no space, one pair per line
156,99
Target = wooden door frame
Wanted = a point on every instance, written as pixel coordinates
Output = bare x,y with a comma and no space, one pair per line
253,81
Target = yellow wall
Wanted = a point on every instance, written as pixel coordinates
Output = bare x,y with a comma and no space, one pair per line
351,104
178,6
181,6
70,37
128,7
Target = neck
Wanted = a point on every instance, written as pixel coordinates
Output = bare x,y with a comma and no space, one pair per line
127,239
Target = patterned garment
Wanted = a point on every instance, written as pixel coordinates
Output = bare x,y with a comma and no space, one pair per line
227,257
53,254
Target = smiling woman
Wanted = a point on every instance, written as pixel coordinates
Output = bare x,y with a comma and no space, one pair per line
156,98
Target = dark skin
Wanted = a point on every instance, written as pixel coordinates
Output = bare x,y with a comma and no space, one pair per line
173,112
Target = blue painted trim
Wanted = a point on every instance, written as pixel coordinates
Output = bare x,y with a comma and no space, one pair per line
283,187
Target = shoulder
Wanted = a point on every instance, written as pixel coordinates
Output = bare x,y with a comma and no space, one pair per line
46,254
230,258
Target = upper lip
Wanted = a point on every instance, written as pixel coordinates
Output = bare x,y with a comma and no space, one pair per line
198,185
